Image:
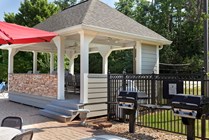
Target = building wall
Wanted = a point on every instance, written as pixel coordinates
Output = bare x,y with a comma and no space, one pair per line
149,59
97,95
44,85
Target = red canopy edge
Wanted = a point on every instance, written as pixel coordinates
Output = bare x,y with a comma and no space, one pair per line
15,34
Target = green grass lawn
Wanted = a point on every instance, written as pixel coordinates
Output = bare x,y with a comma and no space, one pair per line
165,120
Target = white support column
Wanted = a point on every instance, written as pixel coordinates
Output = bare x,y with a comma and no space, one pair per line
138,57
71,55
105,51
71,65
156,70
11,55
51,62
85,40
35,54
59,42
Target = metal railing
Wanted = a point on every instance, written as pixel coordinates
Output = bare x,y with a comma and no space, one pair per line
153,85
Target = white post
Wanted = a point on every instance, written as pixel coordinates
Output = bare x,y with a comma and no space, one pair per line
138,57
157,61
71,66
71,56
59,42
34,62
85,40
11,55
105,52
51,62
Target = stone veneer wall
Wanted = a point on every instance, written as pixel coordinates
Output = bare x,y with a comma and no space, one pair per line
34,84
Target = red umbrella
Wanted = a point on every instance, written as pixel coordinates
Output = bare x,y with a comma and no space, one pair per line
16,34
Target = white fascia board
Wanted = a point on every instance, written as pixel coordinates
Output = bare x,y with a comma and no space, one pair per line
109,32
69,30
125,34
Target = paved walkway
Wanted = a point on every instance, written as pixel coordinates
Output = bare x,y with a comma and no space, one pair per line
44,128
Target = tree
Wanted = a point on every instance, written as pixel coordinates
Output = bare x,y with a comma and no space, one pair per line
3,65
32,12
180,21
65,3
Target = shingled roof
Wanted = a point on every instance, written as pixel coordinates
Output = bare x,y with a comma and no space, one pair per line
97,13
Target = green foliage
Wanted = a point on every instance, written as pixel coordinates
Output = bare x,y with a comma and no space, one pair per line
32,12
95,63
44,62
180,21
120,60
3,65
23,62
65,3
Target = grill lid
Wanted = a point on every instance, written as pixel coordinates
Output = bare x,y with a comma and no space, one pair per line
189,100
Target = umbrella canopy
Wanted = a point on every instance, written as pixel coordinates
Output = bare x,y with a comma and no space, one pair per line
15,34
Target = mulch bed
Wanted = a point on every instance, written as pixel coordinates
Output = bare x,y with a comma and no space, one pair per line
121,129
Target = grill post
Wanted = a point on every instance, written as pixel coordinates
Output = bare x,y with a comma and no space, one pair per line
191,129
132,121
127,101
203,127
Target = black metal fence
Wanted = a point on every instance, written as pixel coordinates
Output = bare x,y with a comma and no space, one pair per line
154,86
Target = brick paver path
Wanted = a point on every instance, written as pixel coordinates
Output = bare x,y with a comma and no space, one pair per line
44,128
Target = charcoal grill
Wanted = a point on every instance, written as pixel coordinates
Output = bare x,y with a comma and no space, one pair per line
189,108
127,100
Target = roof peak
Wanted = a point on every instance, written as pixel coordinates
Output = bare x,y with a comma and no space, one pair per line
94,13
75,4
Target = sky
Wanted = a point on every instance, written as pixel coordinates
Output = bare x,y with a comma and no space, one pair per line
8,6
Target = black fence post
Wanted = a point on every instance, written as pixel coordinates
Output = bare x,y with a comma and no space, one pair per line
153,89
203,88
203,91
124,80
203,127
108,97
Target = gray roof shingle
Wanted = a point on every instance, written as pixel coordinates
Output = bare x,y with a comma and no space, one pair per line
96,13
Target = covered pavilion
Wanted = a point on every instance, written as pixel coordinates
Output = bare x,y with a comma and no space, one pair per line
87,27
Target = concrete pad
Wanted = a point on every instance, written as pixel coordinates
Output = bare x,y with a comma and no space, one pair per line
44,128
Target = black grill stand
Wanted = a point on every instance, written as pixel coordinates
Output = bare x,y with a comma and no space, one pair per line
132,119
190,123
127,101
